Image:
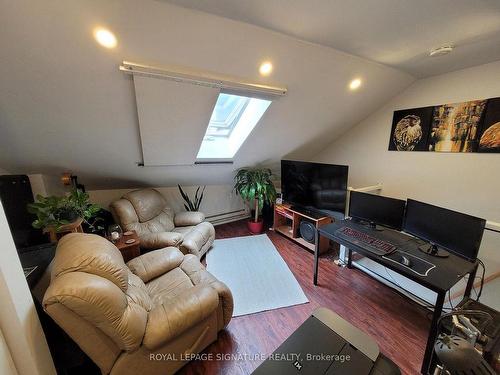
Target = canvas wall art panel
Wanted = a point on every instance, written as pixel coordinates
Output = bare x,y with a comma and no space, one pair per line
455,127
489,137
410,129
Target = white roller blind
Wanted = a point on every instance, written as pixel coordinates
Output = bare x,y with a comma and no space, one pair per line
173,118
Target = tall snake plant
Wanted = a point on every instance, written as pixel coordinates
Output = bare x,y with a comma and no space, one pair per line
192,205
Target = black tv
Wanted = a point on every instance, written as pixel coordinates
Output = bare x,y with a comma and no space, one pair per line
377,210
456,232
315,186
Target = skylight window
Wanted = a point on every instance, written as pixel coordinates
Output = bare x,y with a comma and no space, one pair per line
232,121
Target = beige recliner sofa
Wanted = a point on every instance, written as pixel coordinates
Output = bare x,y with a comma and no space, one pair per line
140,318
147,212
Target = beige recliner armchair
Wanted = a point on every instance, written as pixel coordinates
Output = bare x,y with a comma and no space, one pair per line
140,318
147,212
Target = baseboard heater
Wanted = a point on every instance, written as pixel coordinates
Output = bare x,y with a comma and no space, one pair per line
227,217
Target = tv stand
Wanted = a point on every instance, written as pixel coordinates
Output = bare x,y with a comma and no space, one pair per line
287,221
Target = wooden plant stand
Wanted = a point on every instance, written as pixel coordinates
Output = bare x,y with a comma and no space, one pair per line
56,234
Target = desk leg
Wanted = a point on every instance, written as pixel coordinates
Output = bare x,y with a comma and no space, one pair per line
349,258
316,257
470,282
429,348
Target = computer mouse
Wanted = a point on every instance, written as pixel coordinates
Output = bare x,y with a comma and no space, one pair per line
405,261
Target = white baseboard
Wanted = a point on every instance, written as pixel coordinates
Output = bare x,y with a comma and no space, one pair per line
228,217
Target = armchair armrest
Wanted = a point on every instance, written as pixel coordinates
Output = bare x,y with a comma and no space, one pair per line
172,318
184,219
155,263
160,240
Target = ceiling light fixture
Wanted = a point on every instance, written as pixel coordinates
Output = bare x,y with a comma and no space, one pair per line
105,37
440,51
355,84
265,68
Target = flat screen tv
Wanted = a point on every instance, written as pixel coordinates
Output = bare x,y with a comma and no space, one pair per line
316,186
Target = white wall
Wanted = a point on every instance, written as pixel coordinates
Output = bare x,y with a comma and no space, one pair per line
218,199
465,182
19,322
45,184
66,92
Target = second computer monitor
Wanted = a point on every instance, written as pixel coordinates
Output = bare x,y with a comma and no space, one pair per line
376,209
456,232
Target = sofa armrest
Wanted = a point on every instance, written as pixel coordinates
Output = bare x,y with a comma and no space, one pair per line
184,219
172,318
156,263
160,240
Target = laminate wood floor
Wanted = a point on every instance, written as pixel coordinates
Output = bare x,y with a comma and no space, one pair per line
399,325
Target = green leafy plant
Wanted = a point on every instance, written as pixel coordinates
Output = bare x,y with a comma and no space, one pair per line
192,205
85,209
57,211
49,212
255,185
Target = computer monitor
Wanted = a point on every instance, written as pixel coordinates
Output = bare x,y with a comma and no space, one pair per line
456,232
376,209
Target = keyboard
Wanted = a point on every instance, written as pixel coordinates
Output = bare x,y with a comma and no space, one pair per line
367,242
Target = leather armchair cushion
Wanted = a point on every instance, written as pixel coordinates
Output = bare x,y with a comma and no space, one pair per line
198,275
90,254
197,238
155,263
173,317
184,219
148,203
137,292
160,240
103,304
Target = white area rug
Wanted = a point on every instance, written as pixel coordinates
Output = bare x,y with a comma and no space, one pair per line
255,272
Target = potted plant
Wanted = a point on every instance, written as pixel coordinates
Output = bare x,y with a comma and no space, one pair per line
255,186
192,205
88,211
54,212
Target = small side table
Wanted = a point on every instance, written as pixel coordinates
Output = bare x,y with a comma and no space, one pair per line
129,251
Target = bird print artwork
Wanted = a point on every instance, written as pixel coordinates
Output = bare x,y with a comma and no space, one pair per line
408,133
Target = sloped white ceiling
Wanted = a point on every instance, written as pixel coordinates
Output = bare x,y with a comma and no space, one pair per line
65,106
399,33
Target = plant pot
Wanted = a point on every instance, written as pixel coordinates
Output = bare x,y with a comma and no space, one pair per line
255,227
68,215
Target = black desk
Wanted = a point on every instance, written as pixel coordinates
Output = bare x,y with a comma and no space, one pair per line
441,279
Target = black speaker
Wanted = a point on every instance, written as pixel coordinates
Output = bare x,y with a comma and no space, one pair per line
307,231
15,193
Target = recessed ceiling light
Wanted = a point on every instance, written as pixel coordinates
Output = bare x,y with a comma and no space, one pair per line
440,51
105,37
355,84
266,68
